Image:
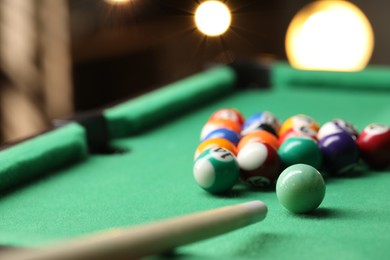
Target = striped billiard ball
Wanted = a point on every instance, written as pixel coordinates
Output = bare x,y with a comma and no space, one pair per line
259,164
216,170
374,145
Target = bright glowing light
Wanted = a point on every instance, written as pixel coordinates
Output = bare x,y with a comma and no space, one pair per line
117,1
330,35
212,18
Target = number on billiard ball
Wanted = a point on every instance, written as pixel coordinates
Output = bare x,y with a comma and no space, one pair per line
216,170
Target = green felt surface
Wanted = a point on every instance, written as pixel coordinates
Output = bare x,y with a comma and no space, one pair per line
153,108
40,155
153,180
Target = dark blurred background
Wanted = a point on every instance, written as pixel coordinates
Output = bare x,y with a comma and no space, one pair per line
63,57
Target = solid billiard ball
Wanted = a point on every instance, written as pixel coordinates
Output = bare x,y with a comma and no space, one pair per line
259,164
300,149
261,121
340,153
298,131
298,121
215,142
261,136
225,134
214,124
300,188
228,113
337,126
374,145
216,170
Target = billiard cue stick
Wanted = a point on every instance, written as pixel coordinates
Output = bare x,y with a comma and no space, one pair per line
149,239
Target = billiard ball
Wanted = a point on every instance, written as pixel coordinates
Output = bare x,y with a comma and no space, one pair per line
300,149
337,126
340,153
261,136
297,131
214,124
259,164
298,121
374,145
225,134
229,114
216,170
347,126
215,142
261,121
300,188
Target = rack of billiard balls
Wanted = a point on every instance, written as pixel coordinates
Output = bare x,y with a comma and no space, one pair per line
264,153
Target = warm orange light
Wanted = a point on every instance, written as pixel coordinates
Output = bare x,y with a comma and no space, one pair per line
117,1
330,35
212,18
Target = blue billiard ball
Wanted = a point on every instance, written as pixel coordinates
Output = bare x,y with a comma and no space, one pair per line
225,134
261,121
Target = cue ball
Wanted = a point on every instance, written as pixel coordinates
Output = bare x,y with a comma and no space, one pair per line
300,188
216,170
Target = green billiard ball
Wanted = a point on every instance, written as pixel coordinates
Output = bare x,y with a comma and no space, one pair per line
300,188
216,170
300,150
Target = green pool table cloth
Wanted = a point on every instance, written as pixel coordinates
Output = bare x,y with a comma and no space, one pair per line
53,189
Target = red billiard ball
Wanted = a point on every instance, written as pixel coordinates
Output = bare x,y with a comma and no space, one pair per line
259,165
340,153
374,145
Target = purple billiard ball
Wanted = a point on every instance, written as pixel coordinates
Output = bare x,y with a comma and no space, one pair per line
340,153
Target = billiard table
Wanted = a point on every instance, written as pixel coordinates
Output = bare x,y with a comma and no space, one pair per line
132,163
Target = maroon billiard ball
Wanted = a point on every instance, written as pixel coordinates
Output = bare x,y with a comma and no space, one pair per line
374,145
259,165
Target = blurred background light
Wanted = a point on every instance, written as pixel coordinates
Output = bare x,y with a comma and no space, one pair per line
212,18
330,35
117,1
